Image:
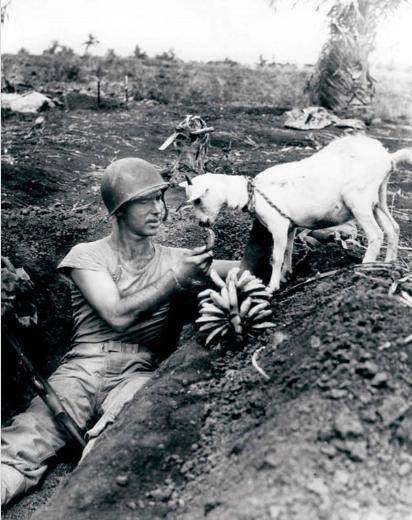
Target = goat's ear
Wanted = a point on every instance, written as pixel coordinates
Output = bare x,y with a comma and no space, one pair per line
196,193
183,184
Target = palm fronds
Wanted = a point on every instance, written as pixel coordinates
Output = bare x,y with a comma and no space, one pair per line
342,81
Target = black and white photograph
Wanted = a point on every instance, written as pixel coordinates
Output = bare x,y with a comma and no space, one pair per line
206,259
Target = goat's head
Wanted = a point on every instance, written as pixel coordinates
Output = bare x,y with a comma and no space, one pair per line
205,196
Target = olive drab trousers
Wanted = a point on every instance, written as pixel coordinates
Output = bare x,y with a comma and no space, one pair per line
94,380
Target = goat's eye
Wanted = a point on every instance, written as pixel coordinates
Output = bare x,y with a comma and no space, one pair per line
196,202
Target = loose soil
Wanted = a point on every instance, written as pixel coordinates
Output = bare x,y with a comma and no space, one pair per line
327,435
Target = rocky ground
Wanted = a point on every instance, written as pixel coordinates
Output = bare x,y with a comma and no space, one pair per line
325,434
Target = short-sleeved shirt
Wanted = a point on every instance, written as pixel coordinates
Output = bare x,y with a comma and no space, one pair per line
89,327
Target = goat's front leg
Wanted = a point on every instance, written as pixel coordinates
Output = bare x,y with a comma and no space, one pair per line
280,240
287,264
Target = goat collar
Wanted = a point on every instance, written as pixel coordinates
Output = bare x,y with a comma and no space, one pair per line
250,186
250,205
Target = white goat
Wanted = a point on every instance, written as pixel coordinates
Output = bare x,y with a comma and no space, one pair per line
347,179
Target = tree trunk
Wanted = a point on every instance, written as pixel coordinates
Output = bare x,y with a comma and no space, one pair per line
341,81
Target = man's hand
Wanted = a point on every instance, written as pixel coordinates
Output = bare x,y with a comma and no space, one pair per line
195,265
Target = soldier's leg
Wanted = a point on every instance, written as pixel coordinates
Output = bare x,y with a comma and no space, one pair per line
34,436
116,399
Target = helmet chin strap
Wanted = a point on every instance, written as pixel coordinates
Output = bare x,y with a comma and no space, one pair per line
165,206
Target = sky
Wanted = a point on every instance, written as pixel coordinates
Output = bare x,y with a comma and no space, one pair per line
201,30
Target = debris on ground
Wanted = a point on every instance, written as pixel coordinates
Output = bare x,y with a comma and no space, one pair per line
28,103
17,293
191,140
316,118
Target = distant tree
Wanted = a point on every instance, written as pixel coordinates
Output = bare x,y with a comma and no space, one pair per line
66,51
23,52
91,41
228,61
53,47
342,78
138,53
4,12
169,55
110,56
262,62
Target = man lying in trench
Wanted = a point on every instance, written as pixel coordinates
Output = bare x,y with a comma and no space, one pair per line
123,289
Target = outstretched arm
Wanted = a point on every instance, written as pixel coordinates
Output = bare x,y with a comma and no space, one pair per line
120,312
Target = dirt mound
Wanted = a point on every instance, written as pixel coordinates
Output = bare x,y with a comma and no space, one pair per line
58,229
23,183
333,434
325,435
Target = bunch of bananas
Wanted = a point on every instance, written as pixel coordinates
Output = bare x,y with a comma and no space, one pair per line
240,305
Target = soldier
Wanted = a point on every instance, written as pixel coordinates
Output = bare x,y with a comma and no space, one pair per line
122,289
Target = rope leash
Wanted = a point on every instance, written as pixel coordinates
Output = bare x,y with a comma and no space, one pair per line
251,193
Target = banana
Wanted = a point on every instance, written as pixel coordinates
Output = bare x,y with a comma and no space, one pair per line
245,275
262,315
232,294
232,274
211,238
209,325
206,318
256,309
245,278
204,293
245,306
253,285
264,325
214,334
211,309
219,300
216,279
258,294
237,324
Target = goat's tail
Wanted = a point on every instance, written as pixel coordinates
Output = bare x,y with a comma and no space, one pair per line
404,155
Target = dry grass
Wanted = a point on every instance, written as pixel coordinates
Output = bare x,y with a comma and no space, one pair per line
172,81
393,100
166,81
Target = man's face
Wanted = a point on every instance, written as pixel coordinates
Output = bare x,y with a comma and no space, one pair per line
143,216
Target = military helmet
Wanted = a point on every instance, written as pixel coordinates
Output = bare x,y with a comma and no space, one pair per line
128,179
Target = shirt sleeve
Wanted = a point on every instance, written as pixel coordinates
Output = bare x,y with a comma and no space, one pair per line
83,256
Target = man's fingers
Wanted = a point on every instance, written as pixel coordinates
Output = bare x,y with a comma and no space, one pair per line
204,266
199,250
200,259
